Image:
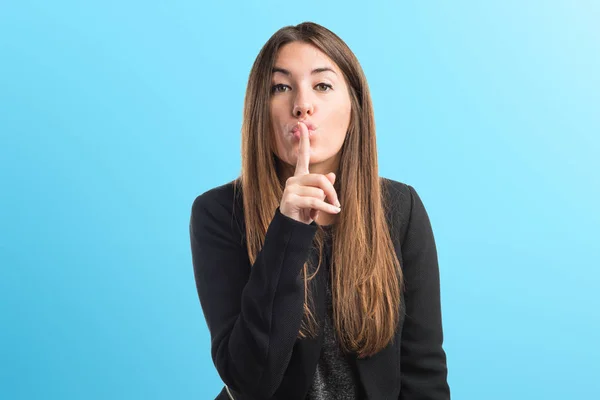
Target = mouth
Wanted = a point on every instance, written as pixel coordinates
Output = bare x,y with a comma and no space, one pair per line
295,132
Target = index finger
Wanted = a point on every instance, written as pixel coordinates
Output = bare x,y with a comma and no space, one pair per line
303,151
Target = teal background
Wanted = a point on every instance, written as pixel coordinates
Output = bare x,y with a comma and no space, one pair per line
114,116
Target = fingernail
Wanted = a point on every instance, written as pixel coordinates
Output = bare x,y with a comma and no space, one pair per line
338,204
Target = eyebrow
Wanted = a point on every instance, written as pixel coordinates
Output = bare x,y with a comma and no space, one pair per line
314,71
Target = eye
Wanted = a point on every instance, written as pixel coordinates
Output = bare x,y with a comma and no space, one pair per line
279,88
326,87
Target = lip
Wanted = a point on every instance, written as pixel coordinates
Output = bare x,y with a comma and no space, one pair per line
309,125
296,134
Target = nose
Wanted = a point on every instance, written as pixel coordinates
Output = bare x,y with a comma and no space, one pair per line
302,107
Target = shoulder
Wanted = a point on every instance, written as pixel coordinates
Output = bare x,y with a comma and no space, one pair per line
398,195
219,196
219,205
399,198
395,188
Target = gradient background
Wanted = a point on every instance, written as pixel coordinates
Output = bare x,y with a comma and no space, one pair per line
114,116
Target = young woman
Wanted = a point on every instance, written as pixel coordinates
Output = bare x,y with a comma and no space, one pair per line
304,299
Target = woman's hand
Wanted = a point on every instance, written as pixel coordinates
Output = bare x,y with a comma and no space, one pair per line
304,194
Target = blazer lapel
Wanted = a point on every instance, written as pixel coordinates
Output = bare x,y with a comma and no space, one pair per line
380,373
305,356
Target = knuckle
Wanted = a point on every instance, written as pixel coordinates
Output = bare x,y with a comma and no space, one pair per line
288,198
292,197
323,182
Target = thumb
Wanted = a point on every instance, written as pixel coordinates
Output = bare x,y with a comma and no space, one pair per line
331,177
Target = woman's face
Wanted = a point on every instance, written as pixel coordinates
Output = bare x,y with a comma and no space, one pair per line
307,86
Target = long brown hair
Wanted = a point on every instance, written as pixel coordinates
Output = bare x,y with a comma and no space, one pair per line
365,272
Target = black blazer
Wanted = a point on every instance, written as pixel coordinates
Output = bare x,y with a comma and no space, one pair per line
254,312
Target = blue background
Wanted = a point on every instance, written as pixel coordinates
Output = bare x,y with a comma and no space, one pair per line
114,116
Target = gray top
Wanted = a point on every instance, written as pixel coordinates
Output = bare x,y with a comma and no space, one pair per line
336,376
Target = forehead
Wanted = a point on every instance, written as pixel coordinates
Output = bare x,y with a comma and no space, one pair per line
302,57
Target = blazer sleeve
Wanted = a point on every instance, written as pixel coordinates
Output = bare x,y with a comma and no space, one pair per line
253,313
423,360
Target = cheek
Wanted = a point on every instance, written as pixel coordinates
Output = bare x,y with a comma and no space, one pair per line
338,120
278,122
281,144
276,134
